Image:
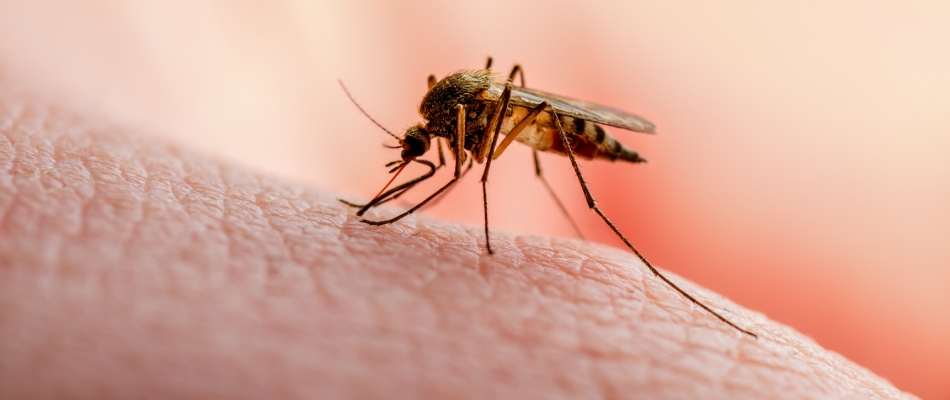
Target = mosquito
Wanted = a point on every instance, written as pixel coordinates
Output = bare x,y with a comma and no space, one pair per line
469,111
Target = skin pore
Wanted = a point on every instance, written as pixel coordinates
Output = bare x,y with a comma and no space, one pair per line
133,268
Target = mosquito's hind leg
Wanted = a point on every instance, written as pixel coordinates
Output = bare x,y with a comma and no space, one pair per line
537,171
593,206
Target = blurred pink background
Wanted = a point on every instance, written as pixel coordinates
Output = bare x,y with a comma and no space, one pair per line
801,167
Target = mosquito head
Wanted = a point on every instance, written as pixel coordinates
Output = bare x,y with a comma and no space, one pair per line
415,142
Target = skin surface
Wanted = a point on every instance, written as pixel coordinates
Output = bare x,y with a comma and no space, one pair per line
800,167
130,268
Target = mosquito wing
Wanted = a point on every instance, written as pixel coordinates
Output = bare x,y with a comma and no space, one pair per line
575,108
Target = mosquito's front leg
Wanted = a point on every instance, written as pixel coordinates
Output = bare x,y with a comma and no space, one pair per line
537,171
593,206
395,192
459,159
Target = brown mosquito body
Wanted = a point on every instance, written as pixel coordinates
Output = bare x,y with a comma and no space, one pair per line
477,117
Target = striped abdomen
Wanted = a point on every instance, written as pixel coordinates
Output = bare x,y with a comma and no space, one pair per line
588,140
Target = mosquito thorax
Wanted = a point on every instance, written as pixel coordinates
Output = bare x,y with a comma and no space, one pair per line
459,88
415,142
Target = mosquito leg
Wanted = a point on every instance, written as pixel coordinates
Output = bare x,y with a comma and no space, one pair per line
411,210
392,193
394,196
516,70
351,204
432,81
593,206
376,203
537,171
438,143
398,190
496,124
459,140
513,133
488,64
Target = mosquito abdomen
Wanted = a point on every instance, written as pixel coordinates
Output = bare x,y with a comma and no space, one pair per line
588,140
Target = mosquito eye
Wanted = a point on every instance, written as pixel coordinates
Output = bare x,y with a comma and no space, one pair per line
412,147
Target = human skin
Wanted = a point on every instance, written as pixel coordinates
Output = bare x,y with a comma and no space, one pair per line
130,268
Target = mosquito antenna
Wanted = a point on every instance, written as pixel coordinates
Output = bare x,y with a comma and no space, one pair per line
364,111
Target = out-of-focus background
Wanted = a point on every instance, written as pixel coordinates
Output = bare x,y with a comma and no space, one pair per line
801,167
